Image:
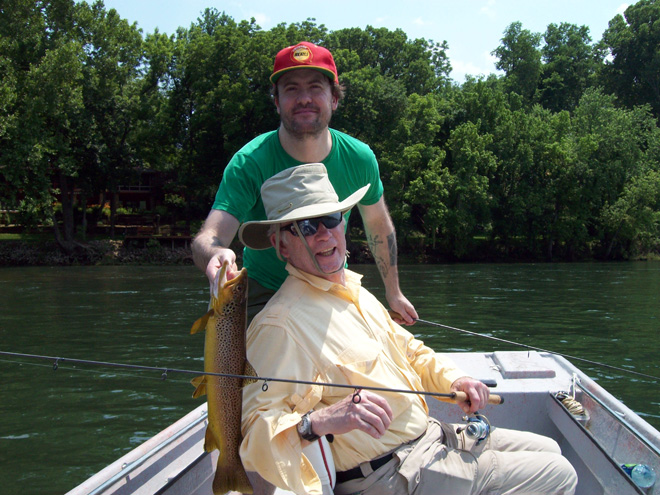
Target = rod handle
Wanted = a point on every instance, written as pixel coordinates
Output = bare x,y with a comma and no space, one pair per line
492,398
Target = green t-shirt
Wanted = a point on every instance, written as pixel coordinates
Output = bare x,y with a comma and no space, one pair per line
351,164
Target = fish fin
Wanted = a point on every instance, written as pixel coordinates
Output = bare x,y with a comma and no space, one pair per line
210,443
249,371
199,382
200,324
228,478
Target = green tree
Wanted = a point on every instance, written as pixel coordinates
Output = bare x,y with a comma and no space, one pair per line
472,166
372,107
218,99
632,71
413,172
569,62
634,218
613,145
44,101
421,66
112,94
520,59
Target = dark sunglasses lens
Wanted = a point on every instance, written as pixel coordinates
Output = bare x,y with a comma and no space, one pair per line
331,221
311,225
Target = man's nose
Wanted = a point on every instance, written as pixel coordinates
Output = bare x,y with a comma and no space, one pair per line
304,96
322,231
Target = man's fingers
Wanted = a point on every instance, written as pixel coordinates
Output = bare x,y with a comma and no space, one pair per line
372,414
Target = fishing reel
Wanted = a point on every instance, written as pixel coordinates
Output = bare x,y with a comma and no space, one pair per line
478,427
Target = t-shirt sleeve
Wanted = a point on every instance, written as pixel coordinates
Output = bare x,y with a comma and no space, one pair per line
373,177
240,188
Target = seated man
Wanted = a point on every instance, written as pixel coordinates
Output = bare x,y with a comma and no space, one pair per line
322,326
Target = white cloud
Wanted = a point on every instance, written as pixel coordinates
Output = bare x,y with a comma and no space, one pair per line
622,8
421,22
484,66
460,69
489,9
262,19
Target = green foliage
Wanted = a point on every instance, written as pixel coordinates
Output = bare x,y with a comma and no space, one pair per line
559,157
520,59
570,62
633,70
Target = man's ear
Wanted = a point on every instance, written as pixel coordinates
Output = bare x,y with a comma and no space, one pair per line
283,251
277,104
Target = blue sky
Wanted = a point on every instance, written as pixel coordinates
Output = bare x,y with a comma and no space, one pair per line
472,28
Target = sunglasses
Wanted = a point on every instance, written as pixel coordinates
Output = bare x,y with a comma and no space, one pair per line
311,225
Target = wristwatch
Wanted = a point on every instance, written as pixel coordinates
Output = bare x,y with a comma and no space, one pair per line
305,428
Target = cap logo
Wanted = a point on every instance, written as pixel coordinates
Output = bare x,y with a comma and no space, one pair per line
301,54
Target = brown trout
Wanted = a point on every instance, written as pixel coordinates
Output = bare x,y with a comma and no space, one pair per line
224,352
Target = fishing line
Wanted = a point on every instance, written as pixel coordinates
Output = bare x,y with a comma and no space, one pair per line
538,349
165,371
66,368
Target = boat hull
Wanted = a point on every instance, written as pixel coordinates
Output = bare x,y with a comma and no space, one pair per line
610,434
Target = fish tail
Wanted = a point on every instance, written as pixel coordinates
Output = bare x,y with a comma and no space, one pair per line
228,478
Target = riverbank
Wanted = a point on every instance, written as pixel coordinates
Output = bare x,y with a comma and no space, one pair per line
96,252
116,252
41,252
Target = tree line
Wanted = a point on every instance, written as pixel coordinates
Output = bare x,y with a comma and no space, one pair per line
555,157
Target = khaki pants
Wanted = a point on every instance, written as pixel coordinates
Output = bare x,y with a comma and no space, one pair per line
443,462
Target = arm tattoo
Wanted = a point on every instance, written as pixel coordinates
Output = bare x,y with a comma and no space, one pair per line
391,244
381,259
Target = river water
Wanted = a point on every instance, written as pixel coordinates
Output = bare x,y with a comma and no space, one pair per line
58,427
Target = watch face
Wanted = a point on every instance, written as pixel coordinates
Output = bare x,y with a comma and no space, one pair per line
304,426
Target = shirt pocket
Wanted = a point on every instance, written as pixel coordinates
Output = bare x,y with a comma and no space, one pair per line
359,360
365,366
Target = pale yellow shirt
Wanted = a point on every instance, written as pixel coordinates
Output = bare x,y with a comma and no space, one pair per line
315,330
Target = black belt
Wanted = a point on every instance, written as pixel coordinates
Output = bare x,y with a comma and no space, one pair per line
356,472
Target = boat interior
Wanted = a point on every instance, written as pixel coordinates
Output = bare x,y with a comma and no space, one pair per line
539,390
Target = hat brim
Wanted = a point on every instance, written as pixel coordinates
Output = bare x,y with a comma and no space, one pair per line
276,75
255,234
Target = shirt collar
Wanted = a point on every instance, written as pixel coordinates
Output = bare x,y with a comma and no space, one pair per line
352,279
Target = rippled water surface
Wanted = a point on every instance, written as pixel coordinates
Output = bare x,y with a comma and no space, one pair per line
59,427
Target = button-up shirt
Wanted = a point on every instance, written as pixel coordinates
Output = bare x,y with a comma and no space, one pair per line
318,331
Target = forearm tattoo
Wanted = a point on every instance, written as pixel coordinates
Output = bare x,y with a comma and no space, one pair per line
380,258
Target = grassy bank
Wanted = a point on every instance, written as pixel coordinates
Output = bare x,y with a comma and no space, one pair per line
40,252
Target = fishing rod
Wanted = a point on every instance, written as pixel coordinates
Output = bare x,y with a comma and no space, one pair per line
453,396
530,347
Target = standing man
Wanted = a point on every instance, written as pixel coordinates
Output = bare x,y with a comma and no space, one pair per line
306,92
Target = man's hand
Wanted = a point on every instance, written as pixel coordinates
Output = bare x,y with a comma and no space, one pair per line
476,391
216,261
405,311
372,414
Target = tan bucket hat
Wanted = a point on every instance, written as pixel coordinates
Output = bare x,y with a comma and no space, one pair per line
296,193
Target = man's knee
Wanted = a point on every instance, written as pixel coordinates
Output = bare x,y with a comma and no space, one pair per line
562,475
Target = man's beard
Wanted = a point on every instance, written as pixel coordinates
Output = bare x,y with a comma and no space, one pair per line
301,130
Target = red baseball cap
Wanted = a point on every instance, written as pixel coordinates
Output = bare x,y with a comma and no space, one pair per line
304,55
